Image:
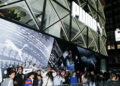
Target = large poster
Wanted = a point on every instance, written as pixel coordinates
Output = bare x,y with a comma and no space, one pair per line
89,60
22,46
64,56
74,58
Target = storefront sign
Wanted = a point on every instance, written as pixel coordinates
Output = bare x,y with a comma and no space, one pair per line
85,18
117,35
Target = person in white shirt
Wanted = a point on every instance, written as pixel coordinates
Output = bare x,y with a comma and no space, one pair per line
58,80
84,78
48,77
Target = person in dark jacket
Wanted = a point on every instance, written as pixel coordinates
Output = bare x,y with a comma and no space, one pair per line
92,79
100,80
67,77
38,79
20,77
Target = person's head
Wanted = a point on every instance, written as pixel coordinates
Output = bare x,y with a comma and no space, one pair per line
11,73
63,72
58,73
48,69
92,73
67,72
32,75
78,71
86,75
70,54
74,74
118,78
113,77
14,69
101,76
38,72
49,74
20,69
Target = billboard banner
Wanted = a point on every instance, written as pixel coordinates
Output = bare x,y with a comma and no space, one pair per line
75,58
22,46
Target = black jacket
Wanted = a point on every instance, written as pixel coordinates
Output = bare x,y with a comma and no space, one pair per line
36,81
20,80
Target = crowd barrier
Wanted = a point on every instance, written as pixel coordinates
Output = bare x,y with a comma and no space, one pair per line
87,84
111,83
79,84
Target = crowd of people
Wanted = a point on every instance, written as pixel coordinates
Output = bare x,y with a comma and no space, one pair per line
50,77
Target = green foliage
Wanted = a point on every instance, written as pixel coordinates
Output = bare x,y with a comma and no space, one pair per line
13,13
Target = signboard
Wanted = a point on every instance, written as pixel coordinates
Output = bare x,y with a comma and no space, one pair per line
85,18
117,35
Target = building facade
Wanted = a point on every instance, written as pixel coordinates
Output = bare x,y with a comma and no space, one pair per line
81,22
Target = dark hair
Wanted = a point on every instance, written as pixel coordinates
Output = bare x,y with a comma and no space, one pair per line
92,78
74,72
49,74
59,73
19,67
31,73
86,75
37,74
10,71
38,70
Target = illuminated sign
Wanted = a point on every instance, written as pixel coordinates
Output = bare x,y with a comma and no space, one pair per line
85,18
117,35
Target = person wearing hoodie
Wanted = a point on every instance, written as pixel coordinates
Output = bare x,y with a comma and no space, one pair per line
29,81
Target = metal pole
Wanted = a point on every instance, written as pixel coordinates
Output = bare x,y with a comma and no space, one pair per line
87,31
31,12
70,26
43,15
98,30
87,37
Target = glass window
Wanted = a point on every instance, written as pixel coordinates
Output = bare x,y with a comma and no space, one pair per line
64,3
5,2
60,10
50,16
109,47
118,46
18,12
36,7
